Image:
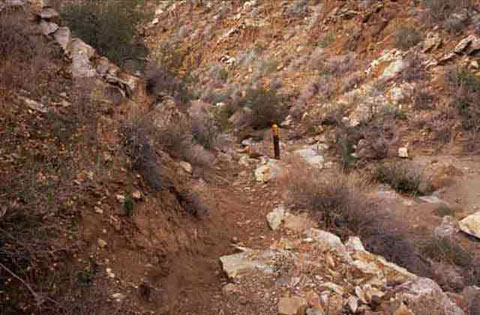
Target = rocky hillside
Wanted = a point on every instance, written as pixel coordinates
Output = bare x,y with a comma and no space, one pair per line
137,171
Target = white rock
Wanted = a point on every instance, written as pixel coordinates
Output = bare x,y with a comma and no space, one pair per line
187,167
447,228
352,303
268,172
120,198
34,105
471,224
118,297
276,217
62,36
48,27
48,13
403,152
81,54
240,264
326,240
101,243
393,69
354,243
98,210
312,157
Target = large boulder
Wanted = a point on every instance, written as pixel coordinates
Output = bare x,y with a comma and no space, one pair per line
81,55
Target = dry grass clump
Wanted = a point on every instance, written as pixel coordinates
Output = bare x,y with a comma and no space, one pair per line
180,137
403,177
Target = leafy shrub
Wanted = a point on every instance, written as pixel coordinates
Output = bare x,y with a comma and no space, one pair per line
407,37
110,27
266,107
402,177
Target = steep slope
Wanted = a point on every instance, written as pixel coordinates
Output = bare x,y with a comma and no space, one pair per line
121,192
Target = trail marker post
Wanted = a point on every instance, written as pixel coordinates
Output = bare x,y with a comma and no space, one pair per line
276,141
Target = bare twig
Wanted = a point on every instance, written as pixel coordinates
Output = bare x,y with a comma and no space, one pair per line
38,298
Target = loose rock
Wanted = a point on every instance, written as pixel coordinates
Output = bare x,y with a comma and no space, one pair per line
471,224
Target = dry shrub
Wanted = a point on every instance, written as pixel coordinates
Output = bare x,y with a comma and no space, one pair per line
111,28
403,177
27,59
339,202
267,107
335,200
448,251
406,37
181,138
450,14
465,87
372,137
423,98
162,82
414,70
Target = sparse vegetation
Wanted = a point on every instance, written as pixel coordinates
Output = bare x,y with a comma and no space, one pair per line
403,177
110,27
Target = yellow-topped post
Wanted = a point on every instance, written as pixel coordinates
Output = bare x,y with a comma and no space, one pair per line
276,141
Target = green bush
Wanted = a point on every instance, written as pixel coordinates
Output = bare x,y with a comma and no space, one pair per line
111,27
266,107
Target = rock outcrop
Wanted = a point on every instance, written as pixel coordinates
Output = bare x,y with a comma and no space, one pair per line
319,274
